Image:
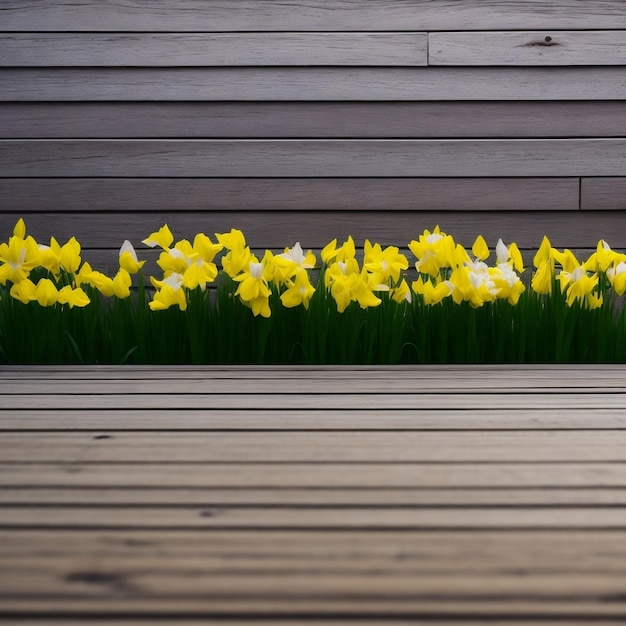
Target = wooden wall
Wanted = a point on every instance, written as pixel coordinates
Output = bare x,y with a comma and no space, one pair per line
309,119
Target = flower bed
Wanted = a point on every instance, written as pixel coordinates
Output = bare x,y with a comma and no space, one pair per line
215,301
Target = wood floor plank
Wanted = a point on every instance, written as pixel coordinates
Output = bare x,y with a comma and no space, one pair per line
302,475
316,447
361,494
320,401
366,383
207,517
318,497
207,419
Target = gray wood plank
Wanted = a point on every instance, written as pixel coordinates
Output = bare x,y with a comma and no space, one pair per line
330,402
313,158
374,383
250,120
107,421
211,49
318,447
287,498
304,475
603,194
270,15
261,518
315,229
86,195
305,84
547,47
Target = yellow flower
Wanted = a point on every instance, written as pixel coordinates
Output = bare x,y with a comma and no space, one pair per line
480,249
69,256
345,252
617,277
24,291
543,261
121,284
46,292
253,288
238,256
18,258
162,238
434,252
170,292
401,292
579,286
128,258
511,253
191,262
385,265
432,294
73,297
299,290
291,261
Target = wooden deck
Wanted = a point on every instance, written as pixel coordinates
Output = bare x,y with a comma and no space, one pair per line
261,495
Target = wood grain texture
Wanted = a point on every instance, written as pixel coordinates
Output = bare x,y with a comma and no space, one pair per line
341,120
313,158
315,15
317,447
87,195
312,84
548,47
211,49
301,475
314,229
603,194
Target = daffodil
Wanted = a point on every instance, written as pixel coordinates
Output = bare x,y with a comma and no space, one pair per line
291,261
169,292
343,253
617,277
432,294
299,290
386,265
543,261
73,297
434,252
253,289
401,292
162,238
19,256
128,258
480,249
238,256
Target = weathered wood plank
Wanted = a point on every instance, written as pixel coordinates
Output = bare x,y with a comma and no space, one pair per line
98,421
313,158
366,383
319,84
283,194
78,517
315,15
544,548
337,402
212,49
315,229
353,498
261,608
603,194
303,475
548,47
341,120
316,447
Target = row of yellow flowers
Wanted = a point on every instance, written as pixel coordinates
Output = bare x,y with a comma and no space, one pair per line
445,269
